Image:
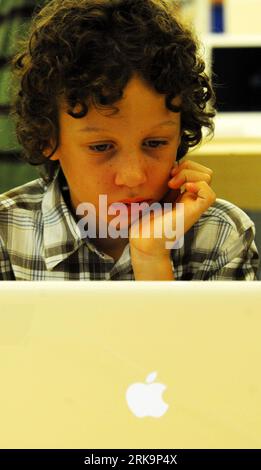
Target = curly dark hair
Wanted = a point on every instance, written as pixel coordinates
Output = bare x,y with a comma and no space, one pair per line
86,51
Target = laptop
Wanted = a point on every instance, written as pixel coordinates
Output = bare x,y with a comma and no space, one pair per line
233,62
130,365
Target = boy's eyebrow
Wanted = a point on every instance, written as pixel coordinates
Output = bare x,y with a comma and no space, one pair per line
95,129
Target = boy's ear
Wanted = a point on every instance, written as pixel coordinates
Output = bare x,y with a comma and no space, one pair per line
180,136
179,148
54,157
48,150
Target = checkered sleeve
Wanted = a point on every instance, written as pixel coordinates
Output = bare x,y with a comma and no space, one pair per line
6,272
220,246
239,259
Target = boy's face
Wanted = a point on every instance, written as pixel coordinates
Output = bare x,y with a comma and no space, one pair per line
133,155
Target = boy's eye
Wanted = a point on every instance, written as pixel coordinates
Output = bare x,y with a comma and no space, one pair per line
101,148
157,143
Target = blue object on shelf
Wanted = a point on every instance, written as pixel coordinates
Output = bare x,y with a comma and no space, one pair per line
217,19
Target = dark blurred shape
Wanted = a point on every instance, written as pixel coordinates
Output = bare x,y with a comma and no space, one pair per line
237,72
15,17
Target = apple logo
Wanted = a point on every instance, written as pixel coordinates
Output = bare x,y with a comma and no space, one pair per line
145,399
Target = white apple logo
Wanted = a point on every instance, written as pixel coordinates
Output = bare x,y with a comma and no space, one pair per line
146,399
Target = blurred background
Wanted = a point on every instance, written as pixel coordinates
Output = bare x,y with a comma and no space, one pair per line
229,32
15,16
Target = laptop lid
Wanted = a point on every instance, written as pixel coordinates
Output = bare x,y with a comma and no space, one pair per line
130,365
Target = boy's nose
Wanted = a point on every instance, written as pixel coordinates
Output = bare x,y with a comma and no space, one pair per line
131,173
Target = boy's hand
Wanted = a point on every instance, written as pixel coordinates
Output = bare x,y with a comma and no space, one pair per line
197,198
188,172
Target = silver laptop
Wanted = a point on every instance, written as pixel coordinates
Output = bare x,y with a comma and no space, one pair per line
90,365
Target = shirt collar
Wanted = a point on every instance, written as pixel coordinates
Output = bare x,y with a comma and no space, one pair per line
61,234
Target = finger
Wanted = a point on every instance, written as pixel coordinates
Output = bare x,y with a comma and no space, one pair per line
205,194
186,176
189,164
197,198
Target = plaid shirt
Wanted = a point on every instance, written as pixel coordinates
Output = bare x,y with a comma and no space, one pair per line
40,240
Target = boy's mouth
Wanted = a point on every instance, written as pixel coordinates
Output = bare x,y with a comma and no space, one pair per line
129,202
137,199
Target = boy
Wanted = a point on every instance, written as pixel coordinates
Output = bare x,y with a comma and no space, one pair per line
111,96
